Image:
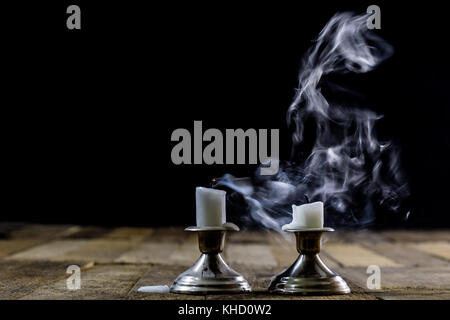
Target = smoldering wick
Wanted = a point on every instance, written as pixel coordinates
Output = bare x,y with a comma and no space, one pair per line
347,168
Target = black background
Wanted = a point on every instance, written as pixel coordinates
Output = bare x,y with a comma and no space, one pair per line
87,114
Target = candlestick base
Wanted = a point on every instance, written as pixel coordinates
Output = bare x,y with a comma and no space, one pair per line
210,274
308,275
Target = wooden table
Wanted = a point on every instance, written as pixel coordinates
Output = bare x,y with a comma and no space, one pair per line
115,262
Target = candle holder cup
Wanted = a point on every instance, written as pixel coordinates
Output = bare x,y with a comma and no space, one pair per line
210,274
308,275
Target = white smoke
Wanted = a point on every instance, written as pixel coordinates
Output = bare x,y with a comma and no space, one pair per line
347,168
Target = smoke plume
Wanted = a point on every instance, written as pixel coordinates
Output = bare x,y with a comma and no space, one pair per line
346,166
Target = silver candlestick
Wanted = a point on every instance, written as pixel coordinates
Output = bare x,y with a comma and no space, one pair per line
210,274
308,275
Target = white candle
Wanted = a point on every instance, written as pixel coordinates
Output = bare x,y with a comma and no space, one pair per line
309,215
154,289
210,207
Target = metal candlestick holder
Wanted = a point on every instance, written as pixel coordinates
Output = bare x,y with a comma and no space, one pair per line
210,274
308,275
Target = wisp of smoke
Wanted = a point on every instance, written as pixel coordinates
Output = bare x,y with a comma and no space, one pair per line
347,168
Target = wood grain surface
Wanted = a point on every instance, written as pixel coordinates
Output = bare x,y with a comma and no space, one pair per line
116,262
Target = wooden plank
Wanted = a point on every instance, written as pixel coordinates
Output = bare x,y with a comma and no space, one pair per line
170,234
89,232
148,252
353,255
49,251
263,295
439,249
19,278
283,248
11,246
28,236
34,258
186,253
400,278
99,251
160,275
250,237
250,254
99,282
129,233
407,255
364,237
328,260
258,278
44,231
109,247
420,278
284,255
411,294
417,235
